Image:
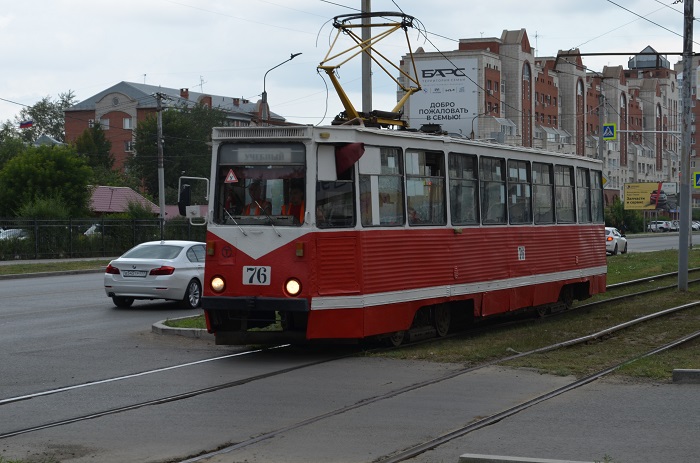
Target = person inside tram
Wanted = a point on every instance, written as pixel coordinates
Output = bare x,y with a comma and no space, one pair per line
413,216
296,205
257,205
231,203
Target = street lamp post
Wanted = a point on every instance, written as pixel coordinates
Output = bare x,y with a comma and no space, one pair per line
471,136
265,111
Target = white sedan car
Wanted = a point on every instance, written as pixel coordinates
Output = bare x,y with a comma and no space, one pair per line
172,270
615,241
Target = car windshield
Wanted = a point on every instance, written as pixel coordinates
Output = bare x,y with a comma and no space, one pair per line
160,251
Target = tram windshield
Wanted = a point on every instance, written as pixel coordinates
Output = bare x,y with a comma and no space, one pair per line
261,184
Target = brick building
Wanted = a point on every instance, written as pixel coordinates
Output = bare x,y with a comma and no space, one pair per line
509,95
119,109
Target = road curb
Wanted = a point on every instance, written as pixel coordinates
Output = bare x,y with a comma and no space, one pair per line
476,458
683,376
16,276
197,333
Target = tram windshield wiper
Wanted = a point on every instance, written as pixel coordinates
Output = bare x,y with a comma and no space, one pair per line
272,222
234,221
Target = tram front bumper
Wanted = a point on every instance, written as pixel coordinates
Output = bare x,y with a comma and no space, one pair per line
233,317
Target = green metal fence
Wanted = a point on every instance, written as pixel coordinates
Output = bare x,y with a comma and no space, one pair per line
51,239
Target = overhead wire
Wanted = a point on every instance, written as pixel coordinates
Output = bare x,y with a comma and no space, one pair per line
423,31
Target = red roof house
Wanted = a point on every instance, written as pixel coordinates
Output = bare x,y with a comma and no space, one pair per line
112,199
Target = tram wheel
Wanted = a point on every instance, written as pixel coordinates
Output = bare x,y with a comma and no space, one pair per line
396,338
441,319
567,297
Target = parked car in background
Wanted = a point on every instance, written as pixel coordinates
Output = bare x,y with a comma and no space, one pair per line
95,229
13,234
169,269
615,241
659,226
695,225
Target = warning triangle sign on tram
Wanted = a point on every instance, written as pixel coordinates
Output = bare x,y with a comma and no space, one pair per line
231,177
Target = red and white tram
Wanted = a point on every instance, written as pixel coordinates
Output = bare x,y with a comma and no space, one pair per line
349,232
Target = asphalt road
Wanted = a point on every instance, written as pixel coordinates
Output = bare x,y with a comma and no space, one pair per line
63,332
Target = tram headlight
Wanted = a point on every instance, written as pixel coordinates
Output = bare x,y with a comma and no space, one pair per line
292,287
217,284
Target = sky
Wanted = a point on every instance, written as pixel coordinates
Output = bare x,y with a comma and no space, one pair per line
226,47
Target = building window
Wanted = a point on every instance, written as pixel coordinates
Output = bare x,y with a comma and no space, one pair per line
128,124
128,146
104,124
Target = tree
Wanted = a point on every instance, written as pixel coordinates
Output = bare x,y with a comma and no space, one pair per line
186,131
45,172
93,145
47,117
629,220
9,148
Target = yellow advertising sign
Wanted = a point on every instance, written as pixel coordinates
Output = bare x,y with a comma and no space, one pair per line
650,196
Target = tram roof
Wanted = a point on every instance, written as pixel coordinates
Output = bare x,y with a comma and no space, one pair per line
336,134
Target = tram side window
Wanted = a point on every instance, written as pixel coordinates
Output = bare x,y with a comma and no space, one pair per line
493,190
335,207
564,186
425,187
519,192
583,187
385,207
543,192
464,189
597,213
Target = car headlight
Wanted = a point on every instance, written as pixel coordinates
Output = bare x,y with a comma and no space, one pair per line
217,284
292,287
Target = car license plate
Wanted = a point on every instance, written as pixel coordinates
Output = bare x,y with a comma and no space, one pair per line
134,273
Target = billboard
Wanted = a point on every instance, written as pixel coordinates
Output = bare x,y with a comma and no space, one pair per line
448,94
647,196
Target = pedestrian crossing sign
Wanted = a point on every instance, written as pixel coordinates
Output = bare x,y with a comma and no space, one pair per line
696,180
609,131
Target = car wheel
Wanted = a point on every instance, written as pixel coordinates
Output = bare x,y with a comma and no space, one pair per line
193,295
122,302
624,251
614,253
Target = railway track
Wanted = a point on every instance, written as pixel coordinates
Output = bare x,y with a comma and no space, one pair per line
405,454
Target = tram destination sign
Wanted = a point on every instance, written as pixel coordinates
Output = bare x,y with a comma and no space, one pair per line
262,154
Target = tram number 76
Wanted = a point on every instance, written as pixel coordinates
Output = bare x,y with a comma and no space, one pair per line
257,275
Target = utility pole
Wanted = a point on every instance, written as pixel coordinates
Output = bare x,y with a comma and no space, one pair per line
685,206
366,60
161,172
601,122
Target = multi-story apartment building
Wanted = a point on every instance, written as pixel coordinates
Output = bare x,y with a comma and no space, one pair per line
119,108
500,91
